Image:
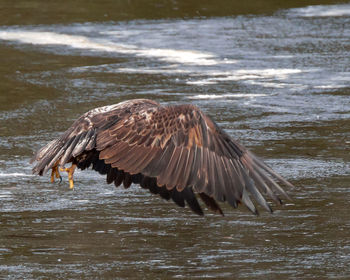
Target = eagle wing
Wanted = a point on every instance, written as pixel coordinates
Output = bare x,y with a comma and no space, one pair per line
172,150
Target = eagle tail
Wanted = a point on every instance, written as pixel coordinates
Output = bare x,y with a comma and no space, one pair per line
62,150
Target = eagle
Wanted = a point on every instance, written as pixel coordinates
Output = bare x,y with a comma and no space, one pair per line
176,151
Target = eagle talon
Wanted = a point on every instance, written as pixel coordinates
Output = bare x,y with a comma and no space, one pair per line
55,173
70,172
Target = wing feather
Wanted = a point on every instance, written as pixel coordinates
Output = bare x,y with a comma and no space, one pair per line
111,175
233,190
119,178
156,166
68,153
187,166
191,200
167,176
211,203
179,170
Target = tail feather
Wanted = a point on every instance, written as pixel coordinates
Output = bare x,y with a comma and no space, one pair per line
62,150
46,155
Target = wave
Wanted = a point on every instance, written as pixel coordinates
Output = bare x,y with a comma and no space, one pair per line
322,11
190,57
15,174
225,96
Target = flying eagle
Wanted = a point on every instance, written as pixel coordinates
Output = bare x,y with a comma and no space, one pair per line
174,151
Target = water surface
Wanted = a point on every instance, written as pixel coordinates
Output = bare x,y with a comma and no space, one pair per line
276,78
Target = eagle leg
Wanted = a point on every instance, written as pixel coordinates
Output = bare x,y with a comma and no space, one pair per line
55,173
70,172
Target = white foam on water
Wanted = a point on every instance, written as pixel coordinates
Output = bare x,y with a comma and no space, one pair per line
270,84
15,174
322,11
182,57
52,38
190,57
331,86
202,82
146,70
5,194
267,73
250,74
224,96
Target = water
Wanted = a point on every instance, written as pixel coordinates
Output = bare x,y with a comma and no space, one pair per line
278,79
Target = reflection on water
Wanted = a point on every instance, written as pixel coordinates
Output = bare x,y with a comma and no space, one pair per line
278,82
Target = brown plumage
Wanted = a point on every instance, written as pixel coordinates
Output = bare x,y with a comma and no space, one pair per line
174,151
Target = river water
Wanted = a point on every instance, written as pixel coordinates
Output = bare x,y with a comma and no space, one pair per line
275,77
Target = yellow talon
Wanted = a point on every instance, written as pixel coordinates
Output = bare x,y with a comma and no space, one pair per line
70,172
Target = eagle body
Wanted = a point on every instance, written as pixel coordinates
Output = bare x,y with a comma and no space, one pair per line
175,151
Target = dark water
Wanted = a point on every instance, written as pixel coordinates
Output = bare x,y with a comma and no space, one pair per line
275,76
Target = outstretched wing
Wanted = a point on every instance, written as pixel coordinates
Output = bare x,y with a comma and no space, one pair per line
182,147
178,147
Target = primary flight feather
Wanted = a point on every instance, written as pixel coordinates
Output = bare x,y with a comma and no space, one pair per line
174,151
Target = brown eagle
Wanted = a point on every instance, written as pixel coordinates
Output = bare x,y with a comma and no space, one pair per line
174,151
